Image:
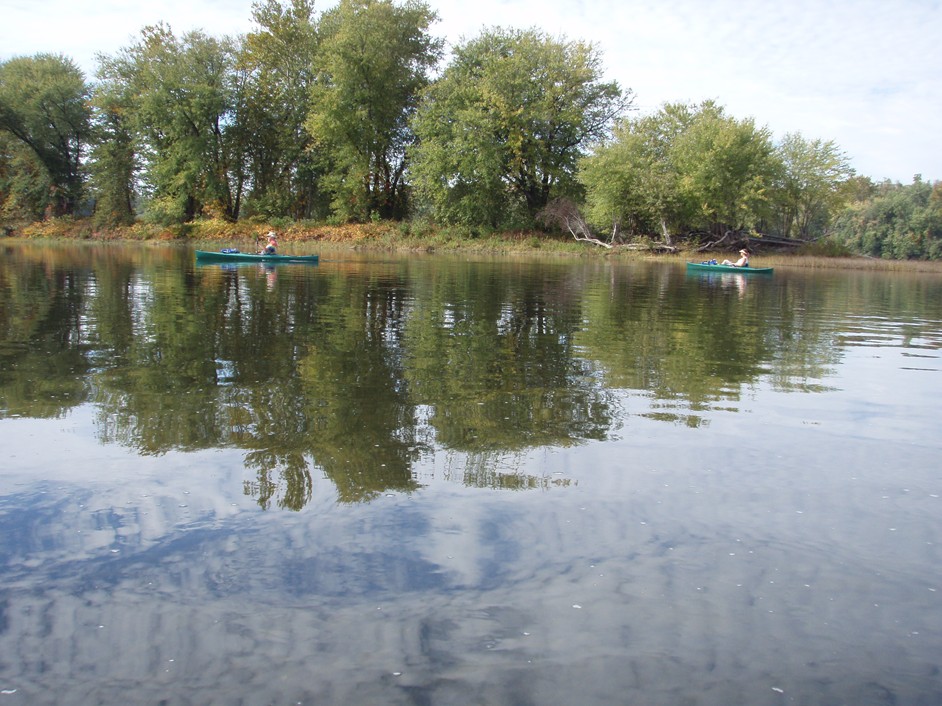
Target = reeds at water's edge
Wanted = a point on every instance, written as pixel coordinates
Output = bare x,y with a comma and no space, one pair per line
846,263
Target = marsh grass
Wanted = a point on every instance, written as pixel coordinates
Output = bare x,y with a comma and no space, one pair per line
845,263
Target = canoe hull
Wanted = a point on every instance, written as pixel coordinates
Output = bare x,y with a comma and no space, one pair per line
209,256
701,267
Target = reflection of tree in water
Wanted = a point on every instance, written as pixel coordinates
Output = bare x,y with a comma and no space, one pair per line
43,340
66,310
361,422
497,469
286,478
373,404
360,374
162,391
693,344
498,369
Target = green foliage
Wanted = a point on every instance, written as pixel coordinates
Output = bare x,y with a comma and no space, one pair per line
726,167
24,182
685,168
898,222
827,247
334,118
43,105
374,59
114,164
631,181
165,210
809,187
278,64
857,188
501,131
183,93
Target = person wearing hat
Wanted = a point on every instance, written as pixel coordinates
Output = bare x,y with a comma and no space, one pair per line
743,260
272,245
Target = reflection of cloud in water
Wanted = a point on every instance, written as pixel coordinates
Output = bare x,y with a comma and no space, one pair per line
647,581
779,547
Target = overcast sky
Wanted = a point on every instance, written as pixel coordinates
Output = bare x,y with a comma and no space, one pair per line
864,73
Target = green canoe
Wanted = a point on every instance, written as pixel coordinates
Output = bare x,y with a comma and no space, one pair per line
209,256
705,267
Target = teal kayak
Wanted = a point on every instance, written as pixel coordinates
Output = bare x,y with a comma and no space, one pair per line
706,267
209,256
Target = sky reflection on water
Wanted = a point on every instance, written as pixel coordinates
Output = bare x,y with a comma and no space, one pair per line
776,541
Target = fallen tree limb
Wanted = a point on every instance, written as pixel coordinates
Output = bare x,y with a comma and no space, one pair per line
651,247
587,238
712,245
564,213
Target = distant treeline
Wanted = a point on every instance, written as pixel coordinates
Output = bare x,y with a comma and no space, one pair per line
353,115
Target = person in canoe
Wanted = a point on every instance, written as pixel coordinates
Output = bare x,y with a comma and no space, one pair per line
743,260
272,245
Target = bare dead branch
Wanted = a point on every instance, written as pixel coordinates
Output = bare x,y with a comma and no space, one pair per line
564,214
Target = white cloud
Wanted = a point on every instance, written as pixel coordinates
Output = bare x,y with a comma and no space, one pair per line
864,73
82,29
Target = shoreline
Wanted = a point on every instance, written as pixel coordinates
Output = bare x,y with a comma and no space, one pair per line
418,237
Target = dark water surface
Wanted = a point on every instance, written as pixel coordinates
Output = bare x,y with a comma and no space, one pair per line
430,480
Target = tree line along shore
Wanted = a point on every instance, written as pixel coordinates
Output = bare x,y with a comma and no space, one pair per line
354,119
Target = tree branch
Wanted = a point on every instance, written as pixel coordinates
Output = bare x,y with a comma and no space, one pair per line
563,213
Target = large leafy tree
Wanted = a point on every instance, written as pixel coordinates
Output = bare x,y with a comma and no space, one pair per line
278,59
24,182
726,169
631,181
374,59
44,106
114,164
810,186
501,131
183,97
685,168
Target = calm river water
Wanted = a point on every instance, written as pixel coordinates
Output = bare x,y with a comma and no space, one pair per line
431,480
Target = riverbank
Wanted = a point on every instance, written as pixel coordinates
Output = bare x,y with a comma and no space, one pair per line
418,236
386,235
